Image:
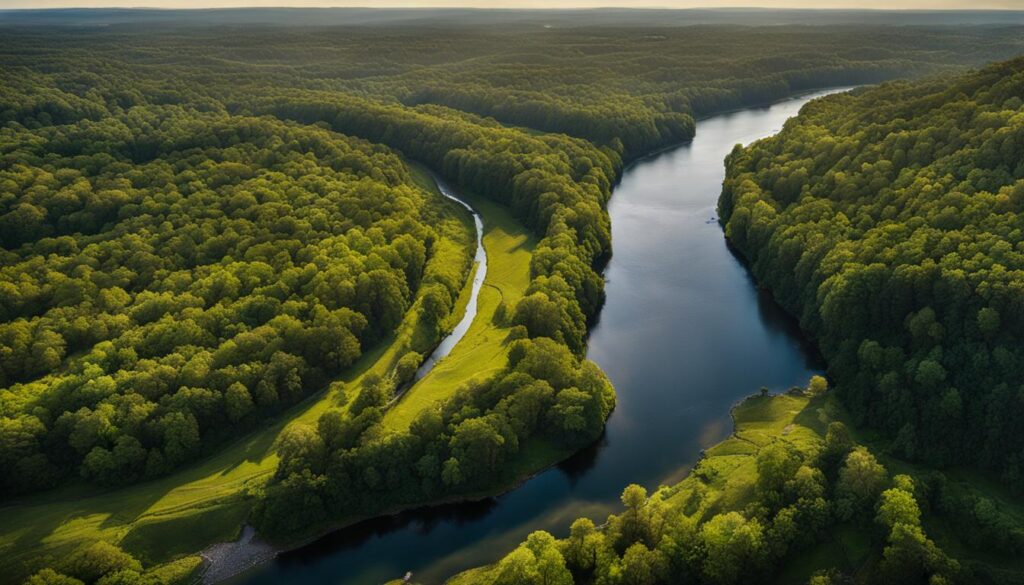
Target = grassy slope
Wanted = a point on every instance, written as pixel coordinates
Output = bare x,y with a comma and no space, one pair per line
206,502
482,351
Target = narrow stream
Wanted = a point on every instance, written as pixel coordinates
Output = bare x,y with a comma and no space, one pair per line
480,259
684,335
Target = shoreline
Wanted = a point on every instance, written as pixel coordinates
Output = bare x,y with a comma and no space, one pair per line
258,557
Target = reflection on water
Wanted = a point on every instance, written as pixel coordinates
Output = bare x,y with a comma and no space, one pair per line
684,334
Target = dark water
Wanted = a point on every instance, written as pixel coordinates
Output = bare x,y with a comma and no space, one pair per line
683,336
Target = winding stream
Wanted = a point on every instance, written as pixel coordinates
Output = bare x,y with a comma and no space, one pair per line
684,334
480,259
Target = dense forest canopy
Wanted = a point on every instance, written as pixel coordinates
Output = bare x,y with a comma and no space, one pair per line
601,83
204,224
170,276
889,220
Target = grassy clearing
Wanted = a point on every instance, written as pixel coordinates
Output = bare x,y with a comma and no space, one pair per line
204,503
482,351
724,479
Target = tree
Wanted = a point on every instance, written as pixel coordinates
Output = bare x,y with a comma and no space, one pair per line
407,366
451,473
181,437
478,447
734,547
898,507
300,448
540,315
777,463
91,561
237,402
631,526
551,568
518,568
838,444
640,565
911,557
583,546
861,480
374,393
51,577
988,321
817,385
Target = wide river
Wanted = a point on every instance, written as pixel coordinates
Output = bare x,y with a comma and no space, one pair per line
684,335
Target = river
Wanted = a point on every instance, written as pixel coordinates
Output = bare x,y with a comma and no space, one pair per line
684,335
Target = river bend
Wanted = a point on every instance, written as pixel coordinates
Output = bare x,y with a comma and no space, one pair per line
684,334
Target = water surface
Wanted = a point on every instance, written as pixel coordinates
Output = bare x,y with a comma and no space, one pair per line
684,335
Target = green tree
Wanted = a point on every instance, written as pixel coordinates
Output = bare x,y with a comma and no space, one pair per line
237,402
734,546
860,482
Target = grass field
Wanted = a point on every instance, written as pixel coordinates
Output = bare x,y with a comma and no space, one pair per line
208,501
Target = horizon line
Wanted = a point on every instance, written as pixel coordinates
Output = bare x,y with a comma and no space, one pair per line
524,9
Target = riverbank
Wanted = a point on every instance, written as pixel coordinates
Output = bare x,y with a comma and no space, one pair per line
662,345
213,506
725,476
480,352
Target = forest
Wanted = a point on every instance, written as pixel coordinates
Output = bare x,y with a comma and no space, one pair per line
204,228
888,220
171,278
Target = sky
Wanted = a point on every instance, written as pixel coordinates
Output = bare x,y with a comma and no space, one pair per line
883,4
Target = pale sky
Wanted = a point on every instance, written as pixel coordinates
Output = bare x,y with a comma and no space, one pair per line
884,4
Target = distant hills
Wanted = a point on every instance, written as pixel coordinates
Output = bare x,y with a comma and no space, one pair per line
484,17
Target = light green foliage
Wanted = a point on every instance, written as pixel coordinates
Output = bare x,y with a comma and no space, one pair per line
817,385
406,367
207,296
861,480
51,577
898,507
735,547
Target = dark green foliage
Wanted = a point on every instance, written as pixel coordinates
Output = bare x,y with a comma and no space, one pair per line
95,563
889,220
193,240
